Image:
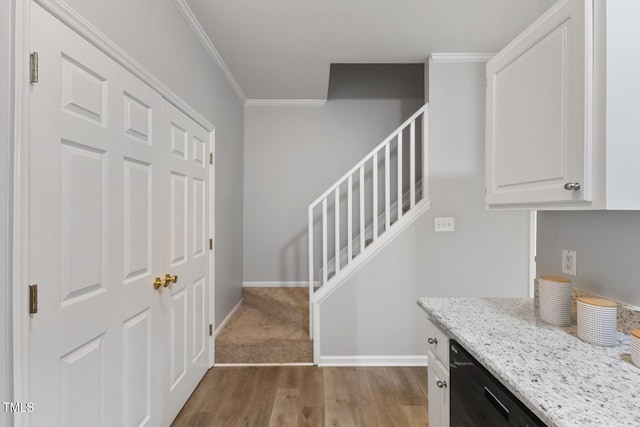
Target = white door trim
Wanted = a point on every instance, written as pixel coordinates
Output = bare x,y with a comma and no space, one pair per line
19,208
212,252
19,252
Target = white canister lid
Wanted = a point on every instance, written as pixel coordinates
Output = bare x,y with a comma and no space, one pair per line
598,302
559,279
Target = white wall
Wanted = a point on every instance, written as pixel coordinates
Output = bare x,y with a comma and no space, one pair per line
375,311
5,170
154,33
293,154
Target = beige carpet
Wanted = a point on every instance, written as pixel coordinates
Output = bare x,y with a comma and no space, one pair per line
271,326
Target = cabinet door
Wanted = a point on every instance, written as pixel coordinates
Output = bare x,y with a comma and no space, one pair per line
438,393
538,111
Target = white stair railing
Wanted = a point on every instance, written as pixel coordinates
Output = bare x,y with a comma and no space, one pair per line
386,202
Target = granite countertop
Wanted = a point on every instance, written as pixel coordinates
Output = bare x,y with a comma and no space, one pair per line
563,380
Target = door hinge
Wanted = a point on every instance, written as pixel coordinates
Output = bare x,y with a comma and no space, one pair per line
210,330
210,244
33,61
33,299
210,158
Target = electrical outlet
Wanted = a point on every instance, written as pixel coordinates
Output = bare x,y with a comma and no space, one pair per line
569,261
444,224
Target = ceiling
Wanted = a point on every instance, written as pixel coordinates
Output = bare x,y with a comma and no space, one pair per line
282,49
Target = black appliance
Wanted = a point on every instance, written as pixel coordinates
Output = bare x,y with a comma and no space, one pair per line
477,399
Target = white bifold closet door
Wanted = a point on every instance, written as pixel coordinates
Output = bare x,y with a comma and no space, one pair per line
119,194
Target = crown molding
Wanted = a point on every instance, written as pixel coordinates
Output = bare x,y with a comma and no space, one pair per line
285,102
202,36
461,57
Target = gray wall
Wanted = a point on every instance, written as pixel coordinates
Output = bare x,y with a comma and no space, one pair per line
5,170
293,154
546,4
607,245
375,311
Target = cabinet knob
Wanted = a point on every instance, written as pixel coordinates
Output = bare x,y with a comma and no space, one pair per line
441,384
432,341
572,186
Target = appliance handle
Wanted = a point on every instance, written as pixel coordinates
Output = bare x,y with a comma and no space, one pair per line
496,403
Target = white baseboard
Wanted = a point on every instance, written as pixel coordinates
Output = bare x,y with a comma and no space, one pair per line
226,319
241,365
373,361
278,284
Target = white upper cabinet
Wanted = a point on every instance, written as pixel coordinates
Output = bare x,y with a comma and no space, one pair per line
560,101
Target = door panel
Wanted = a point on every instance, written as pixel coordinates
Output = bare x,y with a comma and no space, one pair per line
178,209
136,375
84,201
137,220
187,177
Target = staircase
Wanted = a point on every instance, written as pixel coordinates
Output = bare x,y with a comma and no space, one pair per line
348,224
366,209
271,326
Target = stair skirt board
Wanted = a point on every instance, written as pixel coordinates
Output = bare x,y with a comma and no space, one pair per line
278,284
372,361
227,319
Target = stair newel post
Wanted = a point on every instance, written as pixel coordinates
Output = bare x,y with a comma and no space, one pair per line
362,209
387,188
311,278
399,152
336,255
412,164
324,241
349,219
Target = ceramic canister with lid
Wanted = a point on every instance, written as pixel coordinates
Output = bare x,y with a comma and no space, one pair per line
555,300
597,321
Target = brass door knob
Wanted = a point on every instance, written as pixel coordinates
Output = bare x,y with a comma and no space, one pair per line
158,282
169,279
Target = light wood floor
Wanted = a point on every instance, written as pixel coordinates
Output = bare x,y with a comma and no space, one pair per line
308,396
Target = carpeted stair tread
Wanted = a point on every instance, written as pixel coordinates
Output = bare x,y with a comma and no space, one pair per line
286,304
252,336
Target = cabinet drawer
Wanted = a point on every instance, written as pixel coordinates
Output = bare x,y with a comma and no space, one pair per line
438,343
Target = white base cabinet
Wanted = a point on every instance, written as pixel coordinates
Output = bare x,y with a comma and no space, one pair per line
562,118
438,372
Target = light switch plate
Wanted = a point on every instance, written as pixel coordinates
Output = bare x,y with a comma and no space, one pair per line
444,224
